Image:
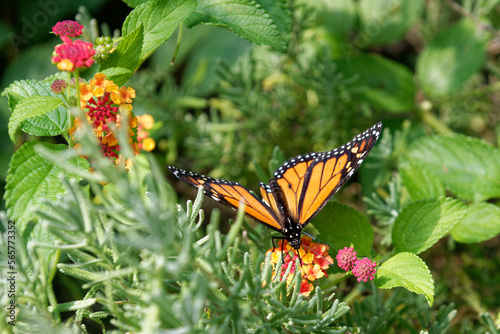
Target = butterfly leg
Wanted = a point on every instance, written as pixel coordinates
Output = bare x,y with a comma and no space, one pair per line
298,254
282,248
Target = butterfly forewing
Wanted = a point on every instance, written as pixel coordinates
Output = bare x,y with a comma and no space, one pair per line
330,170
290,177
231,194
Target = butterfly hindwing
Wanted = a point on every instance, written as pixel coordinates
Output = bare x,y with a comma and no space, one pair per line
230,194
330,170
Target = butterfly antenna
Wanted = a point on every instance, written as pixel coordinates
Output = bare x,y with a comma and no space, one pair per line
312,250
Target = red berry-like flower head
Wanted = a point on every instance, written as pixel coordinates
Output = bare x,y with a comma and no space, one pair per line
346,258
364,269
67,28
59,86
73,54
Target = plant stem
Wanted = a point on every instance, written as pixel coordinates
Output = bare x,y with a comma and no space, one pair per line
177,45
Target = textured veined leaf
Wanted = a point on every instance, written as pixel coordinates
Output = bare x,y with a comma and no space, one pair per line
406,270
279,12
30,107
421,183
126,57
245,18
482,222
159,19
32,178
421,224
340,226
468,167
52,123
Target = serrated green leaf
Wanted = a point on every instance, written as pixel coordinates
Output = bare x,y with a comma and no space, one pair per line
451,58
340,226
468,167
52,123
420,183
118,75
421,224
381,82
384,21
279,12
481,223
125,57
29,107
245,18
406,270
159,19
32,178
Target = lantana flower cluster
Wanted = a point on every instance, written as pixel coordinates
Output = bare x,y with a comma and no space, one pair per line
315,261
103,104
71,54
363,269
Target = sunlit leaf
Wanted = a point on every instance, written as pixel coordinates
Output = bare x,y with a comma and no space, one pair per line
421,224
468,167
451,58
245,18
406,270
420,183
159,19
481,223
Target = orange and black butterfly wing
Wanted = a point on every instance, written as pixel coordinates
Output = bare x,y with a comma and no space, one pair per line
330,170
290,178
231,194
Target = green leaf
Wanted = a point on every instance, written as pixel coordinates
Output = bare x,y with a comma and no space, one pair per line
279,12
406,270
382,82
384,21
340,226
52,123
32,178
119,75
245,18
159,19
421,183
421,224
481,223
338,17
451,58
468,167
31,107
126,56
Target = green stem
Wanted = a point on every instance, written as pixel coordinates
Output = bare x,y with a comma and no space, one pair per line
50,289
78,96
435,123
177,45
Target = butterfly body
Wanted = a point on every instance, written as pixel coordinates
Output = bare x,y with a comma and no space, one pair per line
299,189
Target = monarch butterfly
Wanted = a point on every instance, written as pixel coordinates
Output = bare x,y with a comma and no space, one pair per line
299,189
